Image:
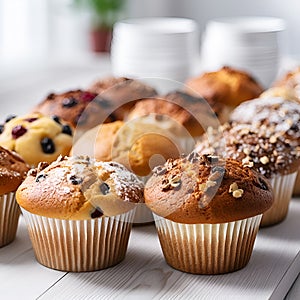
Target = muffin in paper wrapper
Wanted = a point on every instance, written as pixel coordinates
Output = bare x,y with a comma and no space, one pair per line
9,218
282,188
207,248
79,245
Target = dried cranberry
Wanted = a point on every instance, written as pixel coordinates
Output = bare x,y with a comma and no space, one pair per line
104,188
30,120
56,119
87,96
51,96
18,131
47,146
69,102
10,117
1,128
97,213
67,130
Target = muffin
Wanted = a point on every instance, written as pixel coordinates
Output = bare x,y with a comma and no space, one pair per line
82,109
290,80
280,91
121,94
207,212
12,172
228,87
282,115
36,137
138,145
269,152
79,212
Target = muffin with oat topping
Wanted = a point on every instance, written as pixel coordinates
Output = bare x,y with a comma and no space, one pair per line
270,152
205,205
79,212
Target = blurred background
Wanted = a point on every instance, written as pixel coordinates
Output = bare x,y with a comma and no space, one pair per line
35,32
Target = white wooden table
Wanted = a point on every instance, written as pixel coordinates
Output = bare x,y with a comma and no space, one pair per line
273,267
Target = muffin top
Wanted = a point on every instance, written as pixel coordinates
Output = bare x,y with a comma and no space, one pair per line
207,189
79,188
120,94
193,113
136,144
282,92
82,109
262,148
12,171
291,79
227,85
280,116
36,137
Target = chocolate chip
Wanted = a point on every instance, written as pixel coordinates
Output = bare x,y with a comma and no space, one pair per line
41,177
51,96
218,169
75,180
1,128
10,117
69,102
97,213
295,127
30,120
18,131
47,145
104,188
263,184
67,130
193,157
56,119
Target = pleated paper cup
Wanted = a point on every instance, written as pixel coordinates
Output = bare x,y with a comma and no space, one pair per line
207,248
79,245
9,218
283,186
296,191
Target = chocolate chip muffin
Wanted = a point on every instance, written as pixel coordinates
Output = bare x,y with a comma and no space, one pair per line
36,137
121,94
227,87
12,172
206,205
271,152
79,206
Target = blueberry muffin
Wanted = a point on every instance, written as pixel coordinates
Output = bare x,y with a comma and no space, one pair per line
79,212
36,137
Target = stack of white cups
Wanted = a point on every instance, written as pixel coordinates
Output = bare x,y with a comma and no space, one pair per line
155,47
249,43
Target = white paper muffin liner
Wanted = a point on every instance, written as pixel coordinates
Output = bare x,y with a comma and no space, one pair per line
207,248
296,190
79,245
9,217
282,188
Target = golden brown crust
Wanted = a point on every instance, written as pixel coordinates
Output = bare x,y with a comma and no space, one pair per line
79,188
291,79
121,94
134,144
80,108
227,85
207,189
191,112
12,171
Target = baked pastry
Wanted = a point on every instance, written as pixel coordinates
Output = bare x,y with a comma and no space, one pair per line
138,145
268,151
121,94
205,205
227,86
79,212
12,172
36,137
282,92
82,109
